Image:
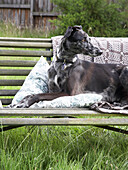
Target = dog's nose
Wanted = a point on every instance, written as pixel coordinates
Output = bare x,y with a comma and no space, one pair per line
100,52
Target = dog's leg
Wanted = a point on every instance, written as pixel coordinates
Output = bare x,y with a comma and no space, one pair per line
124,82
75,84
31,99
124,78
109,93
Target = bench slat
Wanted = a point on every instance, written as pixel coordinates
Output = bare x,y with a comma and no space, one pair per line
25,39
17,63
28,53
11,82
14,72
6,101
8,92
65,112
25,44
64,121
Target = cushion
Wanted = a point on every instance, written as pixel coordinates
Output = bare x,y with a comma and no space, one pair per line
35,82
1,104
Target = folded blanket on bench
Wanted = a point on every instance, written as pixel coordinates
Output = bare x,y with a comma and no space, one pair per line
115,50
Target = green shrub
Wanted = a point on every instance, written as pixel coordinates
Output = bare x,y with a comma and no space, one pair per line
97,17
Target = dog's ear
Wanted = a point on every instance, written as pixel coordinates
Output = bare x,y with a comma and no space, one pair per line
72,29
68,32
77,27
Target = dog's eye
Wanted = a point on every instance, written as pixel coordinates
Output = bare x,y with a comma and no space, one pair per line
84,39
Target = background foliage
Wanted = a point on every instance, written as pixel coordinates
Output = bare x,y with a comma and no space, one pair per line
97,17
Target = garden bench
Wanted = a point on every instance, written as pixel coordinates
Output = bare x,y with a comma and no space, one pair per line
17,58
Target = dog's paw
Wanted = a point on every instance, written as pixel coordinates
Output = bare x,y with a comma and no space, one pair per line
26,102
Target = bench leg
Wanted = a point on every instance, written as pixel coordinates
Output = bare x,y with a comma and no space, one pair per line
5,128
113,129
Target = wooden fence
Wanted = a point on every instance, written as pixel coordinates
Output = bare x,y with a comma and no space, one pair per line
28,13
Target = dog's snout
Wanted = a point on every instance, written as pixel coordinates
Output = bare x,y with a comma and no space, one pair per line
100,52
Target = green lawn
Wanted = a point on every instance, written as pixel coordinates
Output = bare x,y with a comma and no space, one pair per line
62,148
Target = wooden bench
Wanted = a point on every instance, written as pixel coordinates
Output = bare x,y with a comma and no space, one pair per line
17,58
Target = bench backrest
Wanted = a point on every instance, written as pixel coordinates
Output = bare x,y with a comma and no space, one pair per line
17,58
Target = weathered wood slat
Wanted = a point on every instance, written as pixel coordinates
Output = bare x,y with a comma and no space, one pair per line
25,44
31,15
19,6
17,63
8,92
63,121
6,101
21,13
11,82
13,39
45,14
63,112
28,53
14,72
46,112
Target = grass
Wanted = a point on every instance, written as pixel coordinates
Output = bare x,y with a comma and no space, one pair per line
63,148
10,30
60,148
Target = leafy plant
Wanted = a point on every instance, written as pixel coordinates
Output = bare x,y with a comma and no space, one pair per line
97,17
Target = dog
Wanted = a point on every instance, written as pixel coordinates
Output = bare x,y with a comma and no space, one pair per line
68,75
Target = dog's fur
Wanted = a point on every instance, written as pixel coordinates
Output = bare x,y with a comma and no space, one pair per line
69,75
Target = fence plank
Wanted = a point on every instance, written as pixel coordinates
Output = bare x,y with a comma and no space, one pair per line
40,5
31,13
49,6
45,14
15,6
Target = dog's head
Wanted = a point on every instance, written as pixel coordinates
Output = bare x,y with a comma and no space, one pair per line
77,41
